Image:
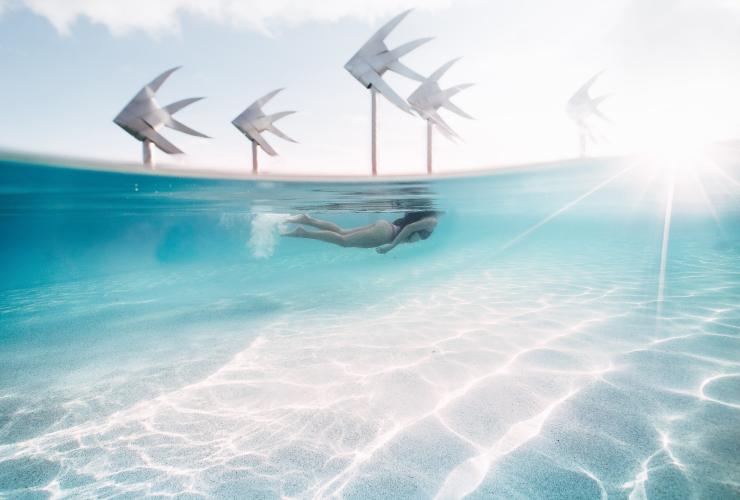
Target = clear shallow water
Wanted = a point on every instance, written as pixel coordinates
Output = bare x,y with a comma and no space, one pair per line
158,337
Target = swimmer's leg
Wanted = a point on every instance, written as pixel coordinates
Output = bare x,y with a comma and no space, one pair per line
326,236
317,223
326,225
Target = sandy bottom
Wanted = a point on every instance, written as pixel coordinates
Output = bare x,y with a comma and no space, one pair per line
544,380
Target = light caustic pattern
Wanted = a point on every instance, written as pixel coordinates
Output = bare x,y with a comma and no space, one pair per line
548,380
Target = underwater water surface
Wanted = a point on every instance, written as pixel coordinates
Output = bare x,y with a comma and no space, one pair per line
568,331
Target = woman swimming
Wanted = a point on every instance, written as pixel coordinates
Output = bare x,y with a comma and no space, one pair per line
381,235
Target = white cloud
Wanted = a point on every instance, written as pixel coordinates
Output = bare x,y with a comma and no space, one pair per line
163,16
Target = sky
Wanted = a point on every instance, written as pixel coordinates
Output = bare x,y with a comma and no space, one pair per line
67,67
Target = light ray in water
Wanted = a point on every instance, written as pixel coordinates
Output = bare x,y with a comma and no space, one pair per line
705,196
664,244
564,208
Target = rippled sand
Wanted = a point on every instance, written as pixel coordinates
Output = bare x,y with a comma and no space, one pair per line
512,378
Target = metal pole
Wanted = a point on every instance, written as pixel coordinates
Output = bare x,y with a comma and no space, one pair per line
430,127
148,158
254,158
374,134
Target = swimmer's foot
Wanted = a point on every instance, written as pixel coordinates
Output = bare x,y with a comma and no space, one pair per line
298,219
298,232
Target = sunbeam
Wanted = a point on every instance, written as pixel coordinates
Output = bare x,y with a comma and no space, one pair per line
664,245
707,201
564,208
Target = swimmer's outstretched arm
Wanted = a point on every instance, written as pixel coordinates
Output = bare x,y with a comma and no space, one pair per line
406,232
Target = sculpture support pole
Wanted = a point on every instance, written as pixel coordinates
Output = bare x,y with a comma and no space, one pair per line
374,133
148,159
254,158
430,127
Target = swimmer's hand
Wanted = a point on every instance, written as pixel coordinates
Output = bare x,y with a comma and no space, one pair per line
384,248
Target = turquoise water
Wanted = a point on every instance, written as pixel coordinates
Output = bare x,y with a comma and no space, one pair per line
568,331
